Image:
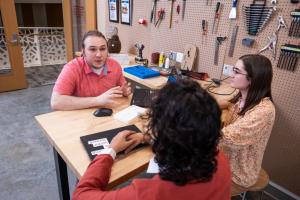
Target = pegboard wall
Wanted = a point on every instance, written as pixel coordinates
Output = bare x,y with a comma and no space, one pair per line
282,155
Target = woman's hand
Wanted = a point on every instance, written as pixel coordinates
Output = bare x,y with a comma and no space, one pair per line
137,139
122,141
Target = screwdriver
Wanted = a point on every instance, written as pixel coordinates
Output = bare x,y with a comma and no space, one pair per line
204,27
217,16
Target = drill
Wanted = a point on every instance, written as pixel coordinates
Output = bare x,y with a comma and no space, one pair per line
139,59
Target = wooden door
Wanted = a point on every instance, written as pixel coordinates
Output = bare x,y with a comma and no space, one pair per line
74,11
12,75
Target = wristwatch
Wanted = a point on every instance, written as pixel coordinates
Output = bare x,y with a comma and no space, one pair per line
109,151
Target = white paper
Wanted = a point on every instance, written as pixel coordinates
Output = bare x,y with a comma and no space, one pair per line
99,142
123,59
153,167
129,113
179,57
96,152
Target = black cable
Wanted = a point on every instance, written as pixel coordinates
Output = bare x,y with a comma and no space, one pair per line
210,91
210,87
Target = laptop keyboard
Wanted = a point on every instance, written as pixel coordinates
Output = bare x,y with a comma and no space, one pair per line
143,97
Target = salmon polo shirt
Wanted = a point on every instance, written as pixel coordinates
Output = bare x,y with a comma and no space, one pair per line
78,79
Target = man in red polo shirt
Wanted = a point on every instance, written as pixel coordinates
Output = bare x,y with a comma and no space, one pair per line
92,80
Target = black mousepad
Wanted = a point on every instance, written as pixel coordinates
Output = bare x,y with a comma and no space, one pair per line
89,140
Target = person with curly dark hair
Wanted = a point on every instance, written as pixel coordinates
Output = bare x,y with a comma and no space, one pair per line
184,129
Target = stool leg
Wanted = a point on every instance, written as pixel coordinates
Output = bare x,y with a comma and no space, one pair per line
244,195
261,195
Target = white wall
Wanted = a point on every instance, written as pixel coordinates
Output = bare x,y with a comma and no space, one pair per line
101,15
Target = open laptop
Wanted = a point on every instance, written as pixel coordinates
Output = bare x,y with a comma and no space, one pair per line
143,97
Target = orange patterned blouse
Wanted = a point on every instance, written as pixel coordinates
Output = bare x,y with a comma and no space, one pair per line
245,139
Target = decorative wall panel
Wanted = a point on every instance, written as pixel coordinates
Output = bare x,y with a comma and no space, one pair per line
40,46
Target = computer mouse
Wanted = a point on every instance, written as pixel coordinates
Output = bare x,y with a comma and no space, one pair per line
102,112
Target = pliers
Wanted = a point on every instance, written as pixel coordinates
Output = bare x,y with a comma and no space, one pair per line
281,23
273,39
271,45
161,15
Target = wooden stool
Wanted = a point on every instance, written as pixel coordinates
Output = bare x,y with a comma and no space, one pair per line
262,182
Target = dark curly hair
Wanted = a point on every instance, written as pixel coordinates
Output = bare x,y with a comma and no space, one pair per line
185,123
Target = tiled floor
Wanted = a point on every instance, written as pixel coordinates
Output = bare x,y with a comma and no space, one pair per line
42,75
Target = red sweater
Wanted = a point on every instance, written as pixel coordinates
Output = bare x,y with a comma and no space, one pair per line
91,185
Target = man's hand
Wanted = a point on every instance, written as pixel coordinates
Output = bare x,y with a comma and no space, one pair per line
126,89
120,142
107,99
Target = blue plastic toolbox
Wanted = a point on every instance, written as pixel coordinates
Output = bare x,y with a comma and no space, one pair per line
141,71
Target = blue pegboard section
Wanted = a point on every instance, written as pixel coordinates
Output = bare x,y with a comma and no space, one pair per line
141,71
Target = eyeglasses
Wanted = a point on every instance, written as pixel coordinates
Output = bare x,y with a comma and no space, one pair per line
236,70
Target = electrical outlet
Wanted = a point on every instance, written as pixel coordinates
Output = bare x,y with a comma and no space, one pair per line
227,70
179,57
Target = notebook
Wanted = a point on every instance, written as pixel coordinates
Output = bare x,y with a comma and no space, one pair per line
143,97
94,143
129,113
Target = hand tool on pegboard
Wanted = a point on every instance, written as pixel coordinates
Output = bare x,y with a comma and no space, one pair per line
271,45
219,41
256,25
295,24
233,40
204,26
295,1
161,16
153,12
273,39
281,23
289,56
274,4
216,17
178,9
256,16
171,13
183,9
232,14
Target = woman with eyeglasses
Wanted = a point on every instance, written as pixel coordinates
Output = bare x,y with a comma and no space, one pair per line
250,120
185,125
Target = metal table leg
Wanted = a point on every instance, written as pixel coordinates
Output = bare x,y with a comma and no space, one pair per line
62,176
